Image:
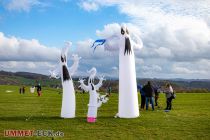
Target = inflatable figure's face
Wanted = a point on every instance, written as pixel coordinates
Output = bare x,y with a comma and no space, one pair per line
92,72
124,31
63,59
125,35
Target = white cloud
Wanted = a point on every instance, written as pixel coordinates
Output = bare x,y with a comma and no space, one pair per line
21,5
100,59
89,6
35,67
17,49
173,33
17,54
115,68
201,67
153,68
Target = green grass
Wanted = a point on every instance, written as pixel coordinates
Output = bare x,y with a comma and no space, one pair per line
189,119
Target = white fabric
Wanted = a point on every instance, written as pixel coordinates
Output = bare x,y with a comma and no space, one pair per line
68,100
68,107
32,89
94,99
128,97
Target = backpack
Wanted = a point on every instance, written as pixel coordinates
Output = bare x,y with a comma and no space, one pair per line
173,95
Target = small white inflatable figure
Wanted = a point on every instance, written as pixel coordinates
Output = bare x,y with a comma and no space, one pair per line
122,42
68,97
95,100
32,89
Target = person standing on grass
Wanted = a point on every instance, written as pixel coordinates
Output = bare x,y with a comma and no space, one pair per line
20,90
148,89
109,90
157,92
23,89
169,91
143,98
39,89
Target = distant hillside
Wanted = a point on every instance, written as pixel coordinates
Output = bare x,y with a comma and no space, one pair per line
26,78
181,85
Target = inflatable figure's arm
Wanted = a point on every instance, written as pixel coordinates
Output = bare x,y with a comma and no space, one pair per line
110,43
74,67
55,73
102,99
82,85
65,49
136,41
101,79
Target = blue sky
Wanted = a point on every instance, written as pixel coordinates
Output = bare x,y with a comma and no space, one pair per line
175,34
57,22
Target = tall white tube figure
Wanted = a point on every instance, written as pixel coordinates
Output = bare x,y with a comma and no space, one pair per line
128,97
95,100
68,97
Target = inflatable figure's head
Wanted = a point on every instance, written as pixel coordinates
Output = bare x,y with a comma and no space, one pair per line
125,34
124,30
64,53
92,72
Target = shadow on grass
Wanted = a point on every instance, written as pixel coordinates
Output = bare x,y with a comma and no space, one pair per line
25,118
48,118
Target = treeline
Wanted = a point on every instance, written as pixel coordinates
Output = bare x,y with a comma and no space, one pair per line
30,79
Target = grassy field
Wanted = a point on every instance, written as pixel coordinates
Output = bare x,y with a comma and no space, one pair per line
189,119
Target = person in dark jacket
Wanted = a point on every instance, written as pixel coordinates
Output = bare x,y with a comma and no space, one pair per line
148,89
39,89
157,92
143,99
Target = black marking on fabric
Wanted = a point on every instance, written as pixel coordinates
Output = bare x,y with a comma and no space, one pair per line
92,86
122,31
127,31
66,75
127,46
62,59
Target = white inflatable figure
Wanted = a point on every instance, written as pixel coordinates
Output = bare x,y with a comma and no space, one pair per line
122,42
32,89
95,100
68,97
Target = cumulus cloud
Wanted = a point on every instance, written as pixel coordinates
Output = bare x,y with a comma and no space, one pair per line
35,67
173,32
17,54
89,6
102,60
18,49
170,29
22,5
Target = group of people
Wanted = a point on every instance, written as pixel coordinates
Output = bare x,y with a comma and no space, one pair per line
38,88
149,93
22,90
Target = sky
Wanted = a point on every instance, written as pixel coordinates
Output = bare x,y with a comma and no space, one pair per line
175,34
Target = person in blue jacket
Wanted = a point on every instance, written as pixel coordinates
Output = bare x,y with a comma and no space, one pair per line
143,98
148,90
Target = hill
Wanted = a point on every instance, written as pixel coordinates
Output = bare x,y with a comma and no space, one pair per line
26,78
